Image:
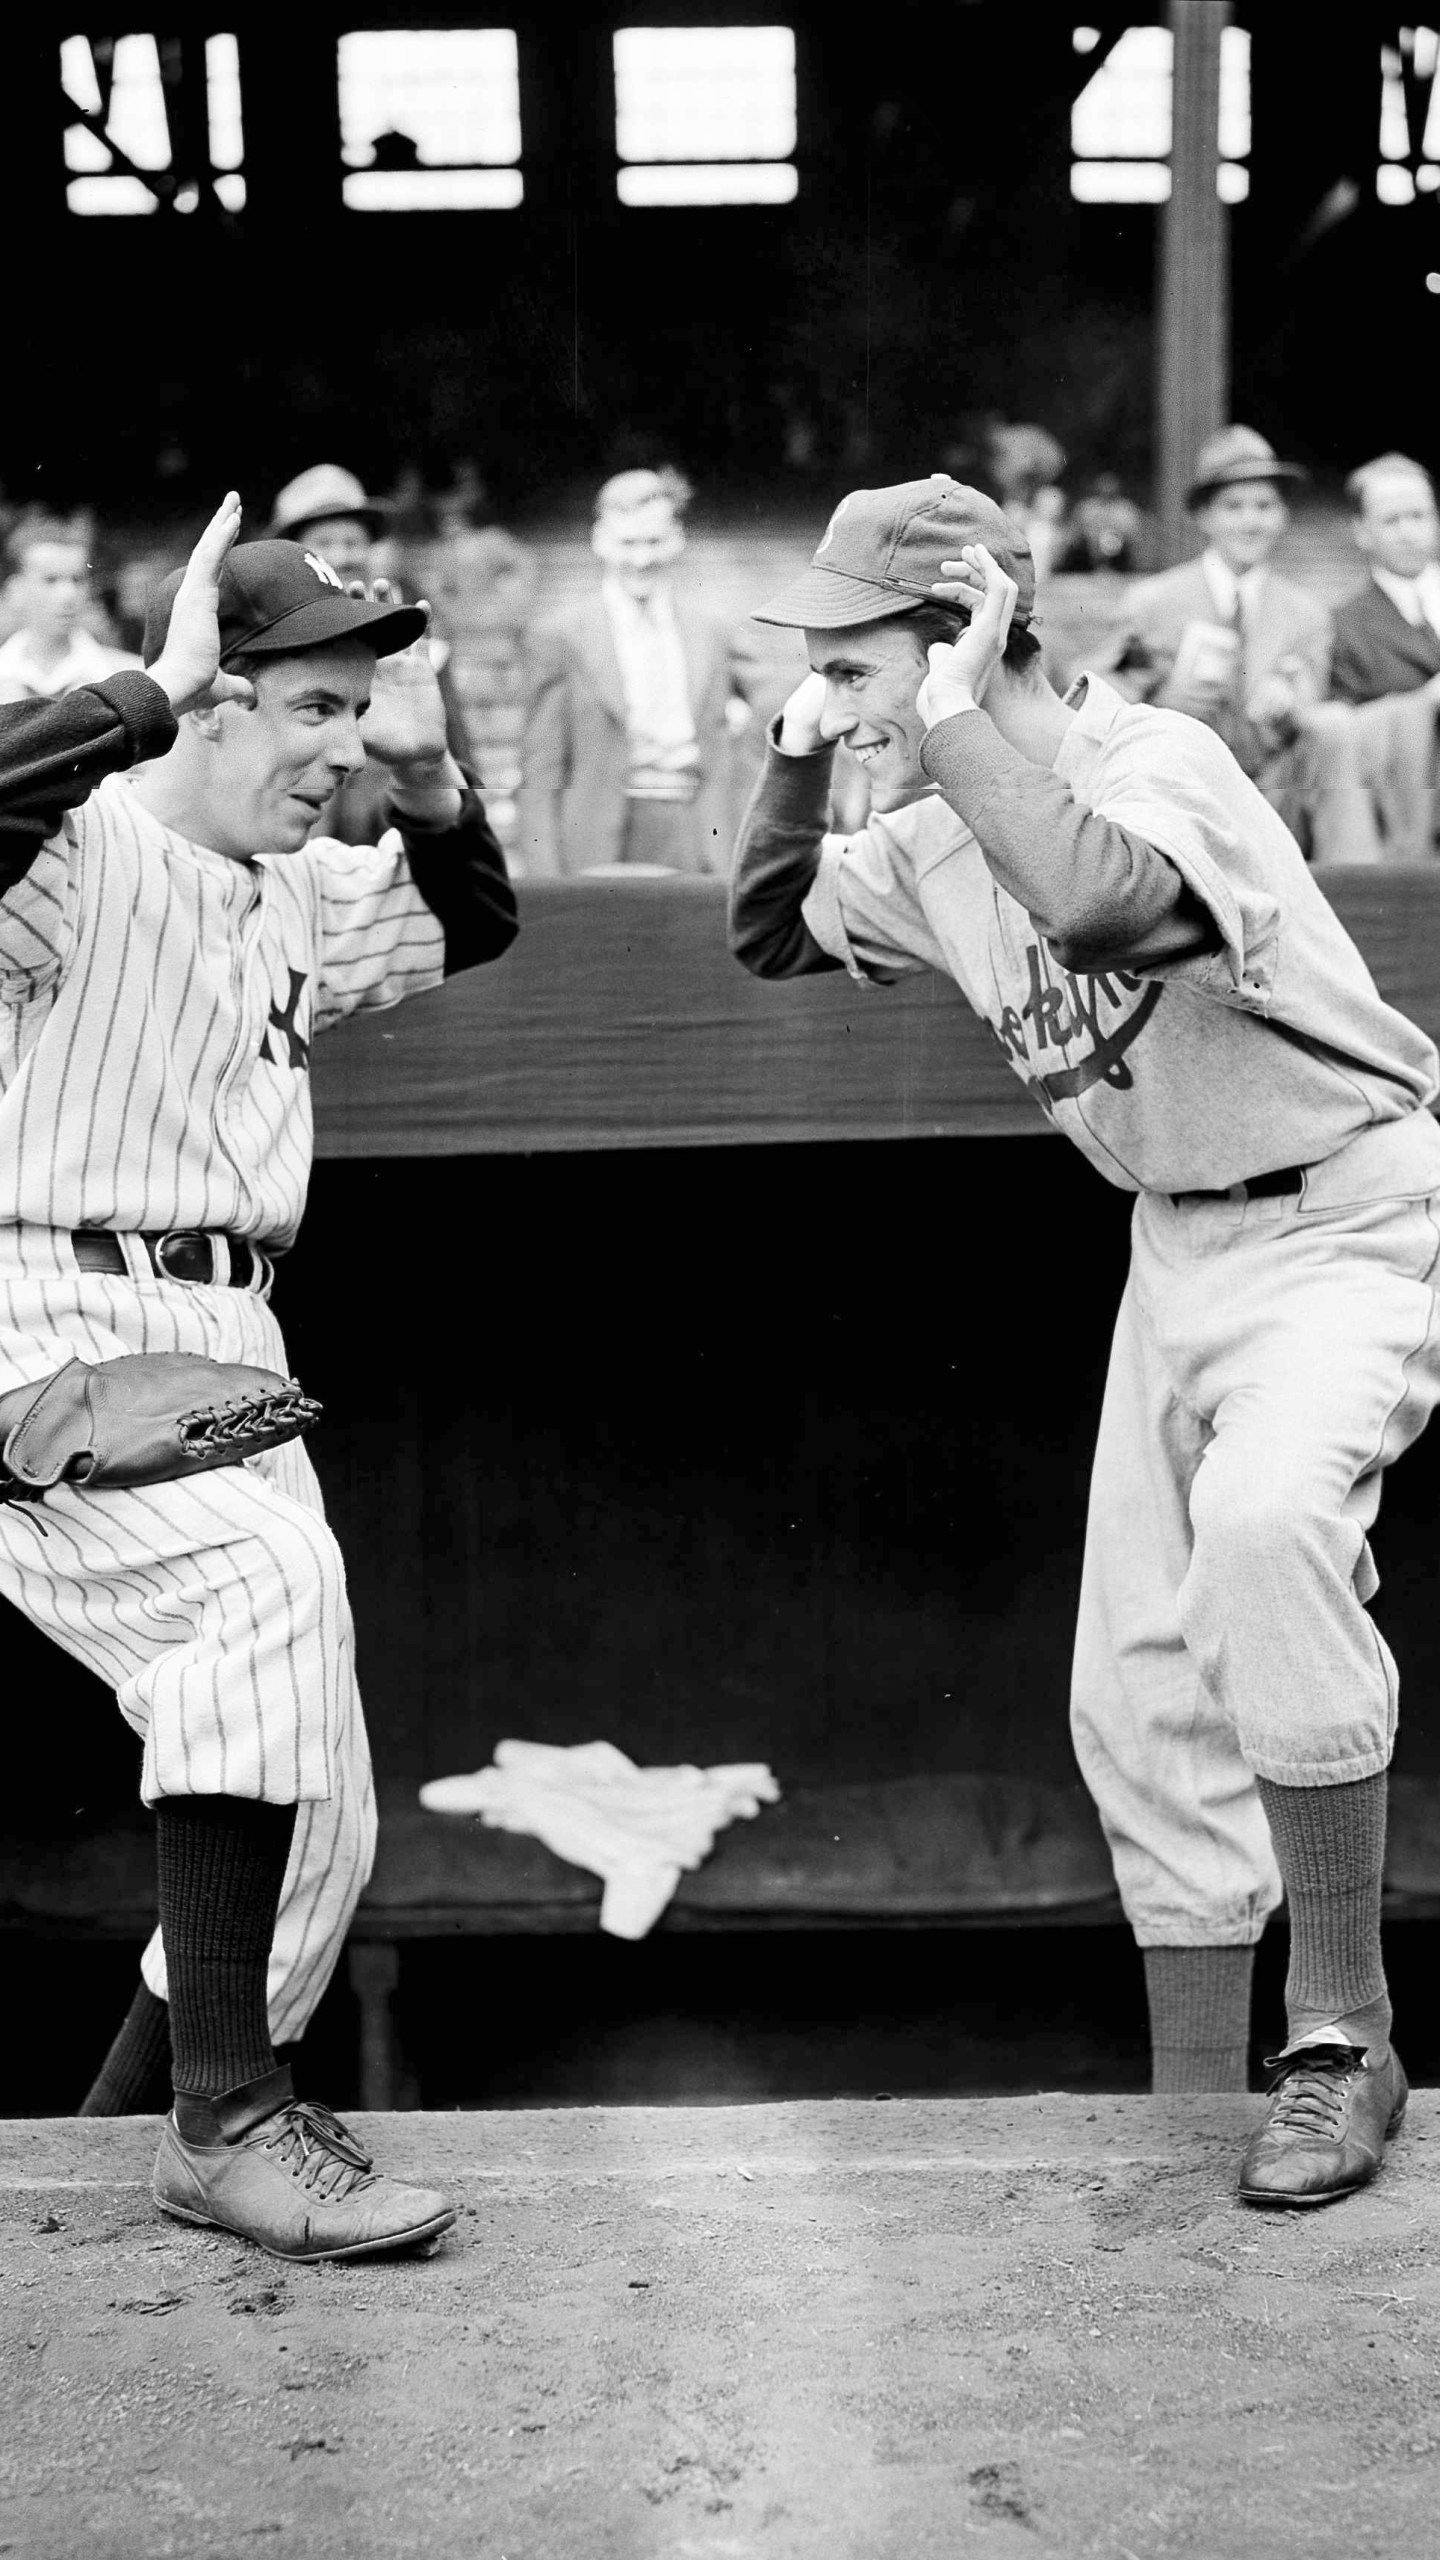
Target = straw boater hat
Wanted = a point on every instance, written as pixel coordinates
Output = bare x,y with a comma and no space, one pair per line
325,490
1236,454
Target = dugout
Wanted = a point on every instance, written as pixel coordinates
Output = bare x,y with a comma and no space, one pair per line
712,1367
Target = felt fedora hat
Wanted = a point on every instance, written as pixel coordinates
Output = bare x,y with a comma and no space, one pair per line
323,491
1233,455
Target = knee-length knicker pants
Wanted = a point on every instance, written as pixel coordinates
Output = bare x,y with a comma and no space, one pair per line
215,1606
1270,1360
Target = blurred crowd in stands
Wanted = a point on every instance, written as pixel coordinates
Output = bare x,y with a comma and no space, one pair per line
617,725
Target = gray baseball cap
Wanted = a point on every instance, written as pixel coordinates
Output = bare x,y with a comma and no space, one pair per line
882,549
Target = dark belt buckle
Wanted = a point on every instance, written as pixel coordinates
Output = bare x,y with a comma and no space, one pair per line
179,1242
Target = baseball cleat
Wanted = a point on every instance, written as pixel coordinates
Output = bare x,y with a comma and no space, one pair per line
298,2184
1332,2111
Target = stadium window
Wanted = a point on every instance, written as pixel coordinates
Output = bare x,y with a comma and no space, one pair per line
705,115
1121,123
119,155
227,135
1404,173
430,120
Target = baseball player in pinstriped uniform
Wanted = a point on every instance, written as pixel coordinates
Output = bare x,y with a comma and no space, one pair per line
1158,965
171,942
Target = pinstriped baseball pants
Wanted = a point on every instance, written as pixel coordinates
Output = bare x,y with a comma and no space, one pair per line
215,1607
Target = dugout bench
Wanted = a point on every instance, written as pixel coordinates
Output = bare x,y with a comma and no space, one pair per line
667,1404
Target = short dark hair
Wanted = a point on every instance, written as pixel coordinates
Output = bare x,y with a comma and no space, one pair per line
932,623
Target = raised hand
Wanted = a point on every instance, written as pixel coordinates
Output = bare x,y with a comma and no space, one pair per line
800,731
960,672
405,724
188,667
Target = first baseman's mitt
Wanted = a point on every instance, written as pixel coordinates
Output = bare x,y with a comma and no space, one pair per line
142,1420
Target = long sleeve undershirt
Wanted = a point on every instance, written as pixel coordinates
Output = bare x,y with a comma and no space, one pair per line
52,755
1100,894
776,859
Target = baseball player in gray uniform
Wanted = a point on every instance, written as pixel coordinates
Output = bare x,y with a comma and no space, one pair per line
1142,935
171,941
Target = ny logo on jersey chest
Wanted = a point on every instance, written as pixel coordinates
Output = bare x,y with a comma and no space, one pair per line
283,1020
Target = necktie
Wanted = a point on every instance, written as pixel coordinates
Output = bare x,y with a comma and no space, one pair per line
1241,620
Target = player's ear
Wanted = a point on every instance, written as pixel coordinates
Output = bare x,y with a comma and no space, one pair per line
206,721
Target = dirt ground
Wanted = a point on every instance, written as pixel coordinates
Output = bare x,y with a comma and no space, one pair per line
868,2331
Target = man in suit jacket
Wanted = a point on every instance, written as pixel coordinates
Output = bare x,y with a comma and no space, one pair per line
635,703
1387,647
1226,640
1387,634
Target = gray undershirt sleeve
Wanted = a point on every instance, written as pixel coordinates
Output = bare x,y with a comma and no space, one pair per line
776,859
1101,896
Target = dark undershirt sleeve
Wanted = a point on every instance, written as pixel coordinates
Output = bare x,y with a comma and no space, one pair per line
460,873
1101,896
52,755
776,859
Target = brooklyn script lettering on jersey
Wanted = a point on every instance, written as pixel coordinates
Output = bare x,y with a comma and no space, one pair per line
1173,1080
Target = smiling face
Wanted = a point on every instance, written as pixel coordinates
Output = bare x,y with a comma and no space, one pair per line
873,673
1243,523
638,544
51,589
1398,528
270,769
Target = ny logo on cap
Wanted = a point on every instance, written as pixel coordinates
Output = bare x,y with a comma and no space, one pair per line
829,534
323,571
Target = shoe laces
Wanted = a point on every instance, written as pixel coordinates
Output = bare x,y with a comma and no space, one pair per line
1311,2088
320,2153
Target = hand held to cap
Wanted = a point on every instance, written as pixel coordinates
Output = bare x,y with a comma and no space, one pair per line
800,731
188,667
960,672
405,724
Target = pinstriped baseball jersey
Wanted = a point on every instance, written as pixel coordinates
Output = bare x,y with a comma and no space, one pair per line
157,1004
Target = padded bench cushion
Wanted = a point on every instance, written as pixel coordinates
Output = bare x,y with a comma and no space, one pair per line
916,1849
911,1851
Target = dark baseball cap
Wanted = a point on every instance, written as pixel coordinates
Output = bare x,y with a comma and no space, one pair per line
275,597
882,550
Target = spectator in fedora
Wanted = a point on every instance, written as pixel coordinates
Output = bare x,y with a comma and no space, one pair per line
636,700
326,510
1230,642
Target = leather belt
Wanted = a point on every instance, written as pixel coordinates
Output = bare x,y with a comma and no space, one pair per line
1285,1183
182,1253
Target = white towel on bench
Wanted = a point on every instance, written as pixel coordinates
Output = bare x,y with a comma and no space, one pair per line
637,1828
